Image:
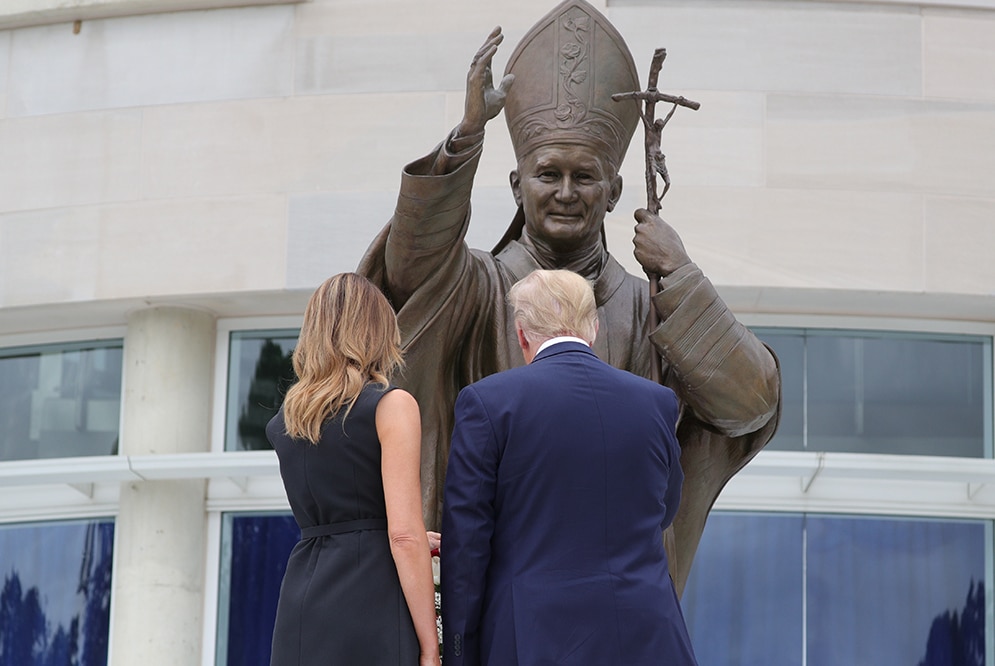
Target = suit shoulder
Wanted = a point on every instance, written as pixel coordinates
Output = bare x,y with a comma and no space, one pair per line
643,384
498,380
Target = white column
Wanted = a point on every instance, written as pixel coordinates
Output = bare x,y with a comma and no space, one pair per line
160,534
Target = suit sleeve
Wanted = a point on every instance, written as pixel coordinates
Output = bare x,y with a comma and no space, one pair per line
467,526
675,482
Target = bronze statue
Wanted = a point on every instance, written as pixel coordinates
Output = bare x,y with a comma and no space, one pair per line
570,138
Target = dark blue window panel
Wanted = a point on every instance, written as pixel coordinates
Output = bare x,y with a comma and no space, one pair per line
891,591
257,547
260,371
56,594
770,588
743,600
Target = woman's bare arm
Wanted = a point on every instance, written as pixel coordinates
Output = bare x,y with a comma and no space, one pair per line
399,428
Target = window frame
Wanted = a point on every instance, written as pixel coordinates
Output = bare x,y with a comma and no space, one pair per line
222,353
43,489
862,483
37,345
988,582
809,333
62,519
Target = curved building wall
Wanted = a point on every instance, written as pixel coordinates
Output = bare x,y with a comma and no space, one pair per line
171,179
194,156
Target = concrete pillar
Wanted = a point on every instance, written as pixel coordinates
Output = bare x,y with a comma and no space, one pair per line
160,534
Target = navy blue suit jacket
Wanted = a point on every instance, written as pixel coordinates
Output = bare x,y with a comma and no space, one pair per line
562,476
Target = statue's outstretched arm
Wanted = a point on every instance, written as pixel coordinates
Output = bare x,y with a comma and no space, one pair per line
433,206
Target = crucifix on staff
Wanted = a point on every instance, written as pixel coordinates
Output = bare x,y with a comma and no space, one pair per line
656,162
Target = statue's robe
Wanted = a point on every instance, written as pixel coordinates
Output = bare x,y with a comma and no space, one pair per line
457,327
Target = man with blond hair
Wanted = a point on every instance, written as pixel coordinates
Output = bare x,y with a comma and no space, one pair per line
563,475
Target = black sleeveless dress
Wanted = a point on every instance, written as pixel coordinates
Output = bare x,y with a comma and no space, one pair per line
341,602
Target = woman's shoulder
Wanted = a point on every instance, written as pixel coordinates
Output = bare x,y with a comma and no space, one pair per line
391,393
276,428
394,400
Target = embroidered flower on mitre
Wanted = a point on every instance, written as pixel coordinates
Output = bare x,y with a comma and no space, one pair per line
571,50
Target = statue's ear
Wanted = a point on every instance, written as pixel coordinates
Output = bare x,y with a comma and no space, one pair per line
616,192
516,186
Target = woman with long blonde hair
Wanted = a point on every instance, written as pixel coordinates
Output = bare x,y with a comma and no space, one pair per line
358,587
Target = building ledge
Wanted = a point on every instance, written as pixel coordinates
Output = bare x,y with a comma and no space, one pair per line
853,483
24,13
911,4
61,488
780,481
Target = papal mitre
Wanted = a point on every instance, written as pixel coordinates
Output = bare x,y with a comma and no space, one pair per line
566,69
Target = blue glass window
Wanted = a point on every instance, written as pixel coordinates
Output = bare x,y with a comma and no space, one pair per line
60,400
743,601
259,373
770,589
880,392
254,548
55,600
898,590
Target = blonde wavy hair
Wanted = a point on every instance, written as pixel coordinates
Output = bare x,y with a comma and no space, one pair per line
548,304
349,339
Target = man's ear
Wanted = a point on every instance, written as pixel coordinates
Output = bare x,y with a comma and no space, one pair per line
524,344
516,186
615,193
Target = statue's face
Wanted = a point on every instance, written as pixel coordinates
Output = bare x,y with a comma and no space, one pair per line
565,191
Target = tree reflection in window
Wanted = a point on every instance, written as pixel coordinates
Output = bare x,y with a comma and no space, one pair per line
959,640
46,617
260,372
825,590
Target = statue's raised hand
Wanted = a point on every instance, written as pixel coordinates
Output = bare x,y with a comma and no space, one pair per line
483,100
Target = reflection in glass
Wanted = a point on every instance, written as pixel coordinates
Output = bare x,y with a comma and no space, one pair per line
259,373
60,400
790,349
254,551
889,585
830,590
55,600
743,600
877,392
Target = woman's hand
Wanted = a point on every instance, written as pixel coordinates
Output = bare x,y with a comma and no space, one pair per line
434,541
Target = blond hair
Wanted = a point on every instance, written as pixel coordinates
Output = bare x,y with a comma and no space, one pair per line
548,304
349,339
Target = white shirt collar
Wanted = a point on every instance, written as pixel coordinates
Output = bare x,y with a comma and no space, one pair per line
559,339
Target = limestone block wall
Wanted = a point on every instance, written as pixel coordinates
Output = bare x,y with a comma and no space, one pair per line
233,158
